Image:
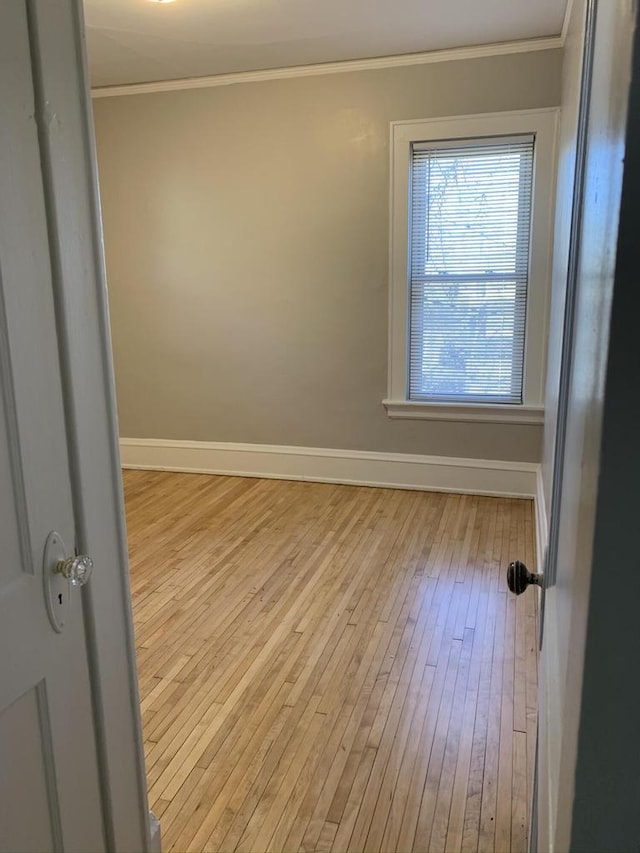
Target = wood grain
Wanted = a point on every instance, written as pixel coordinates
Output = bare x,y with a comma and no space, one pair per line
332,668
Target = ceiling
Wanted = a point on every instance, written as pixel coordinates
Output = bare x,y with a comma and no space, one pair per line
136,41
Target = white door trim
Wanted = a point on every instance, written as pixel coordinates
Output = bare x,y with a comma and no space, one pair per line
542,520
63,112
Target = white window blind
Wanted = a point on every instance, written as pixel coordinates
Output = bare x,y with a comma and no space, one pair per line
470,214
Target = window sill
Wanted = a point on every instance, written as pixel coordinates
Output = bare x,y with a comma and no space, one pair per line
495,413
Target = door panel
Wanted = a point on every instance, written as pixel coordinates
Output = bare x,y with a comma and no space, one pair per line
30,818
46,714
14,540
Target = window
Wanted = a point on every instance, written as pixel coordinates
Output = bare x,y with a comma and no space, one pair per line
471,217
469,248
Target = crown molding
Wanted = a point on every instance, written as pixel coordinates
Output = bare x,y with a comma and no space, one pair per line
399,61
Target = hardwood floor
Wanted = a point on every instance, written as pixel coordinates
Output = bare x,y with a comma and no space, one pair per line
332,667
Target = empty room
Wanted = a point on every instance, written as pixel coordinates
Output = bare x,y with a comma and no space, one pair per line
329,657
335,310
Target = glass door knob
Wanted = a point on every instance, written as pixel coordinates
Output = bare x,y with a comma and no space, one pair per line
77,570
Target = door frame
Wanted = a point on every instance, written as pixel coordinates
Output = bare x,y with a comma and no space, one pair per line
64,119
597,745
605,773
543,817
566,358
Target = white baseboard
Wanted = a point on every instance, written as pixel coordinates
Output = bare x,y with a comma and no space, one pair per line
353,467
155,834
542,523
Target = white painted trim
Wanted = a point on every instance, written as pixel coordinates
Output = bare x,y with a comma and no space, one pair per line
70,182
472,412
375,64
543,123
565,22
155,834
325,465
542,521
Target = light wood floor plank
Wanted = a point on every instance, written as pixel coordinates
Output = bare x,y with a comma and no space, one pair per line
330,667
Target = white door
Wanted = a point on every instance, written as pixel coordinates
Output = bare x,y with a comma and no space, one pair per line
67,691
581,782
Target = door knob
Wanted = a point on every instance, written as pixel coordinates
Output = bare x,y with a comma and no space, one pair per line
519,577
60,575
77,570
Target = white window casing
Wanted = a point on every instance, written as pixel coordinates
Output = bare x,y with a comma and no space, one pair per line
492,289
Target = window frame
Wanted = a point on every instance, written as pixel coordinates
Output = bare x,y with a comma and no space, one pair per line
542,123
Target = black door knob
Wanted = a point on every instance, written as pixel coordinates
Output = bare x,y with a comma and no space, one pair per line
519,577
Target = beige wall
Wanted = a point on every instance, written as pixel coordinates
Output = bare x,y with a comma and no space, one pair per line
246,232
571,77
